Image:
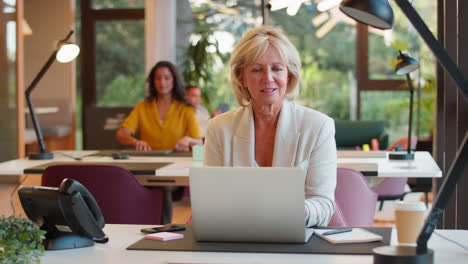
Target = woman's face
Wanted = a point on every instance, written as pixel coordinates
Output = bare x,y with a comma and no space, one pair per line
266,78
163,81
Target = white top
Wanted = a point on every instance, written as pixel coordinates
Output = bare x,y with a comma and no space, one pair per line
122,236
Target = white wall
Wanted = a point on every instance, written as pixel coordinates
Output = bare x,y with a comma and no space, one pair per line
160,28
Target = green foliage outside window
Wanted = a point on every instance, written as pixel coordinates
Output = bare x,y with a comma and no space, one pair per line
120,63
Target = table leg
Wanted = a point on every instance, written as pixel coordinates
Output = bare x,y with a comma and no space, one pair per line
167,204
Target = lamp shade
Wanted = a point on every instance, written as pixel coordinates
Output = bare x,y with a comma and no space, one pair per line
375,13
406,64
67,52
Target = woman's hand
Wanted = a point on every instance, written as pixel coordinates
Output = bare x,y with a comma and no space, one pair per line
124,136
141,145
183,143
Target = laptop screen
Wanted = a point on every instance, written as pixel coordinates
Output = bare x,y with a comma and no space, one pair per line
248,204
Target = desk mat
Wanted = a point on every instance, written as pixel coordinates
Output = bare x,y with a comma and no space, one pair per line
134,153
136,168
316,245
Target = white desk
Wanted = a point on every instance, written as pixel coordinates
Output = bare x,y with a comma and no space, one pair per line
423,164
43,110
372,163
121,236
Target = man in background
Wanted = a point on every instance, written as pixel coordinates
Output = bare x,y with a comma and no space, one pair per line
193,94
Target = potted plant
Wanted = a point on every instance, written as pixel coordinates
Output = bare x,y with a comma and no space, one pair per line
20,240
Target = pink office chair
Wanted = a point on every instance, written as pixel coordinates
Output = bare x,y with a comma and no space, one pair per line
390,189
121,198
355,201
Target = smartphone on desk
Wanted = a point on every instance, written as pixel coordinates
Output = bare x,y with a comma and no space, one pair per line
165,228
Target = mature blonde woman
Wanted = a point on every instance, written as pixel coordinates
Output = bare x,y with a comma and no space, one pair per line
269,130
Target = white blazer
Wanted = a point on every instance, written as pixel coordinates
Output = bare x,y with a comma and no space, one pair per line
304,138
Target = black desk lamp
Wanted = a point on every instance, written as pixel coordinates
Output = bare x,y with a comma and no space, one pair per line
405,65
379,14
65,52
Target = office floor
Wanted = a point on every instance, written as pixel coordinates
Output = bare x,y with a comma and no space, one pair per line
385,218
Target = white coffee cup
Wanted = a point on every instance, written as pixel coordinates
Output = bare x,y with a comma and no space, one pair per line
409,217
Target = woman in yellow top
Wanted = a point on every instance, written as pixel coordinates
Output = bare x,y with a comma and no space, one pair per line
165,120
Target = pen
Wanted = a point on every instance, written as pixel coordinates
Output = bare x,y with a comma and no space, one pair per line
337,231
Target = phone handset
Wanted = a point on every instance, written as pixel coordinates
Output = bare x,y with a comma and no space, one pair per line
82,211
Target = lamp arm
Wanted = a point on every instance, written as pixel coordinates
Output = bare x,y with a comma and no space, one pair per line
438,50
454,173
410,122
27,94
458,165
41,72
68,36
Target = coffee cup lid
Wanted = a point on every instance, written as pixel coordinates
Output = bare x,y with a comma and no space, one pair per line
410,206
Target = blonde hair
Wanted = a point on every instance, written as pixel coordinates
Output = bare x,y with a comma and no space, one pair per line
252,46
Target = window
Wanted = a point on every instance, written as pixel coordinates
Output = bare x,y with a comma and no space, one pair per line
349,79
207,33
381,84
112,67
120,62
117,4
326,45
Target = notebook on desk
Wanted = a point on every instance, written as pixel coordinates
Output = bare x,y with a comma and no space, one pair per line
254,204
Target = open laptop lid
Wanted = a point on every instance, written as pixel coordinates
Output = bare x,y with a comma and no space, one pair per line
248,204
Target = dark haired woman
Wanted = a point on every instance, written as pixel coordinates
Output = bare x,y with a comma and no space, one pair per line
165,120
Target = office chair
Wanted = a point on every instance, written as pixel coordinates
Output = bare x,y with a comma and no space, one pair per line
390,189
121,198
355,201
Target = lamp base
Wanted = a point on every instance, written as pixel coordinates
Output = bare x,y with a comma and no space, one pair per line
401,255
401,156
41,156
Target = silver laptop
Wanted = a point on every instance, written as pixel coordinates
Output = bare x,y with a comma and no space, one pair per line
254,204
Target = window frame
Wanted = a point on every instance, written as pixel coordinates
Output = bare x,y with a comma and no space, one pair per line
362,68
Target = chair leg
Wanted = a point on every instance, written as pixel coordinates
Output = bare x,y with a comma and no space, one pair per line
403,196
167,205
426,199
381,205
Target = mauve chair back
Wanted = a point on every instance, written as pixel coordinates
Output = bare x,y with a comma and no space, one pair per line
121,198
355,201
391,187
